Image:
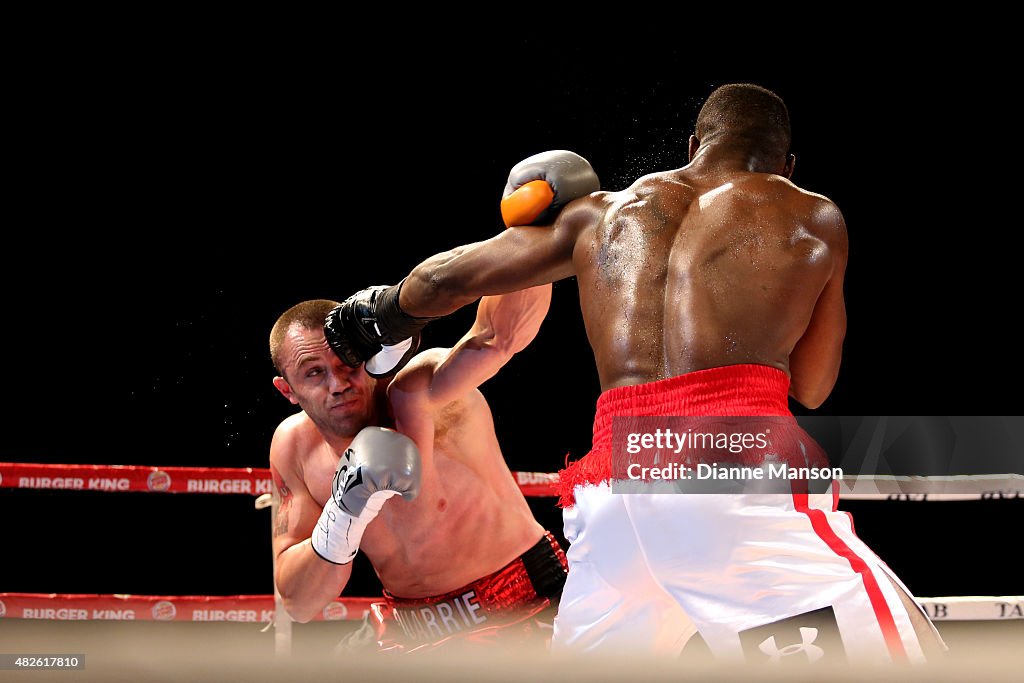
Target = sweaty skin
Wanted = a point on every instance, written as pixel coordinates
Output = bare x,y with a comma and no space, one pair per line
708,265
470,518
721,262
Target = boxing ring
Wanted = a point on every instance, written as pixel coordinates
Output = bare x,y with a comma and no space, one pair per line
268,610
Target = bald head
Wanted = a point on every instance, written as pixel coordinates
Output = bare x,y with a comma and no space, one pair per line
309,315
748,115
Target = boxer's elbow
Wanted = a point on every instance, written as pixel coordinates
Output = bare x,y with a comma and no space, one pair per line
808,401
301,611
811,395
295,613
497,347
813,375
304,595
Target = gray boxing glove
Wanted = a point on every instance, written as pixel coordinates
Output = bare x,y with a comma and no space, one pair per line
379,463
539,186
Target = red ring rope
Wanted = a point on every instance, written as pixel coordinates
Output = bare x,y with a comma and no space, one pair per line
243,608
248,480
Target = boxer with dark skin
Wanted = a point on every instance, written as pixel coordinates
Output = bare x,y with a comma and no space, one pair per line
724,261
721,262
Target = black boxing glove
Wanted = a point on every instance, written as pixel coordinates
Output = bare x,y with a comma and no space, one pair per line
370,327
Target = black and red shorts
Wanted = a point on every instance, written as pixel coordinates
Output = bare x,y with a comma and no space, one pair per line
507,606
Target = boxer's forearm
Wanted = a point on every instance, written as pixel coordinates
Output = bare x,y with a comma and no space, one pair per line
307,582
514,260
537,251
438,286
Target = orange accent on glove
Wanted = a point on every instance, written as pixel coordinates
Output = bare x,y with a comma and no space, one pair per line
526,203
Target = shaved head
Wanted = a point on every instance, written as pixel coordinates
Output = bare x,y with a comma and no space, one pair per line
748,114
309,315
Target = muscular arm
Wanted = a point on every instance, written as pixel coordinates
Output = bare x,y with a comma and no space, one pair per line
305,581
515,259
504,326
814,362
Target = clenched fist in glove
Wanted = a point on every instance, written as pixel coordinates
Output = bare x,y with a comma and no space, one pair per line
370,327
539,186
379,463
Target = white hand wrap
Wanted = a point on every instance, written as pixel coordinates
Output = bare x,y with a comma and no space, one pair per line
378,464
337,534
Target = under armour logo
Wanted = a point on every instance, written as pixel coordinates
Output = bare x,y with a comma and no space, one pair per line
806,644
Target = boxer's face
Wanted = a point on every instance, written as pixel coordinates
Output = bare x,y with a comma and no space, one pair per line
338,398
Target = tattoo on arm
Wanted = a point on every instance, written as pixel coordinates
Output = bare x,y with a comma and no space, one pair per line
284,503
283,508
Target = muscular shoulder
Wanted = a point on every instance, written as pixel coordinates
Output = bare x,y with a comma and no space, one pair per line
416,376
825,217
587,213
294,437
657,198
663,189
784,188
821,214
579,215
675,181
663,182
409,391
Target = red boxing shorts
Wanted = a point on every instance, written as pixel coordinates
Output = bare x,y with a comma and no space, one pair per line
761,576
743,391
502,608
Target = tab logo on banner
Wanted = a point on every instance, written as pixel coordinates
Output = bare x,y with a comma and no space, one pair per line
1006,611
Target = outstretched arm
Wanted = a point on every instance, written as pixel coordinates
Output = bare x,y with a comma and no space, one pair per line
380,325
517,258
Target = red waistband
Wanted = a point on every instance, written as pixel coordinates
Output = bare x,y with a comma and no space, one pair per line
509,587
515,592
726,391
731,390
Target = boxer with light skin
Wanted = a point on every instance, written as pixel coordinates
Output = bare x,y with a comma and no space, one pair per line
442,517
442,539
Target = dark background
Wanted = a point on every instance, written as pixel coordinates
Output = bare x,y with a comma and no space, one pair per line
172,201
